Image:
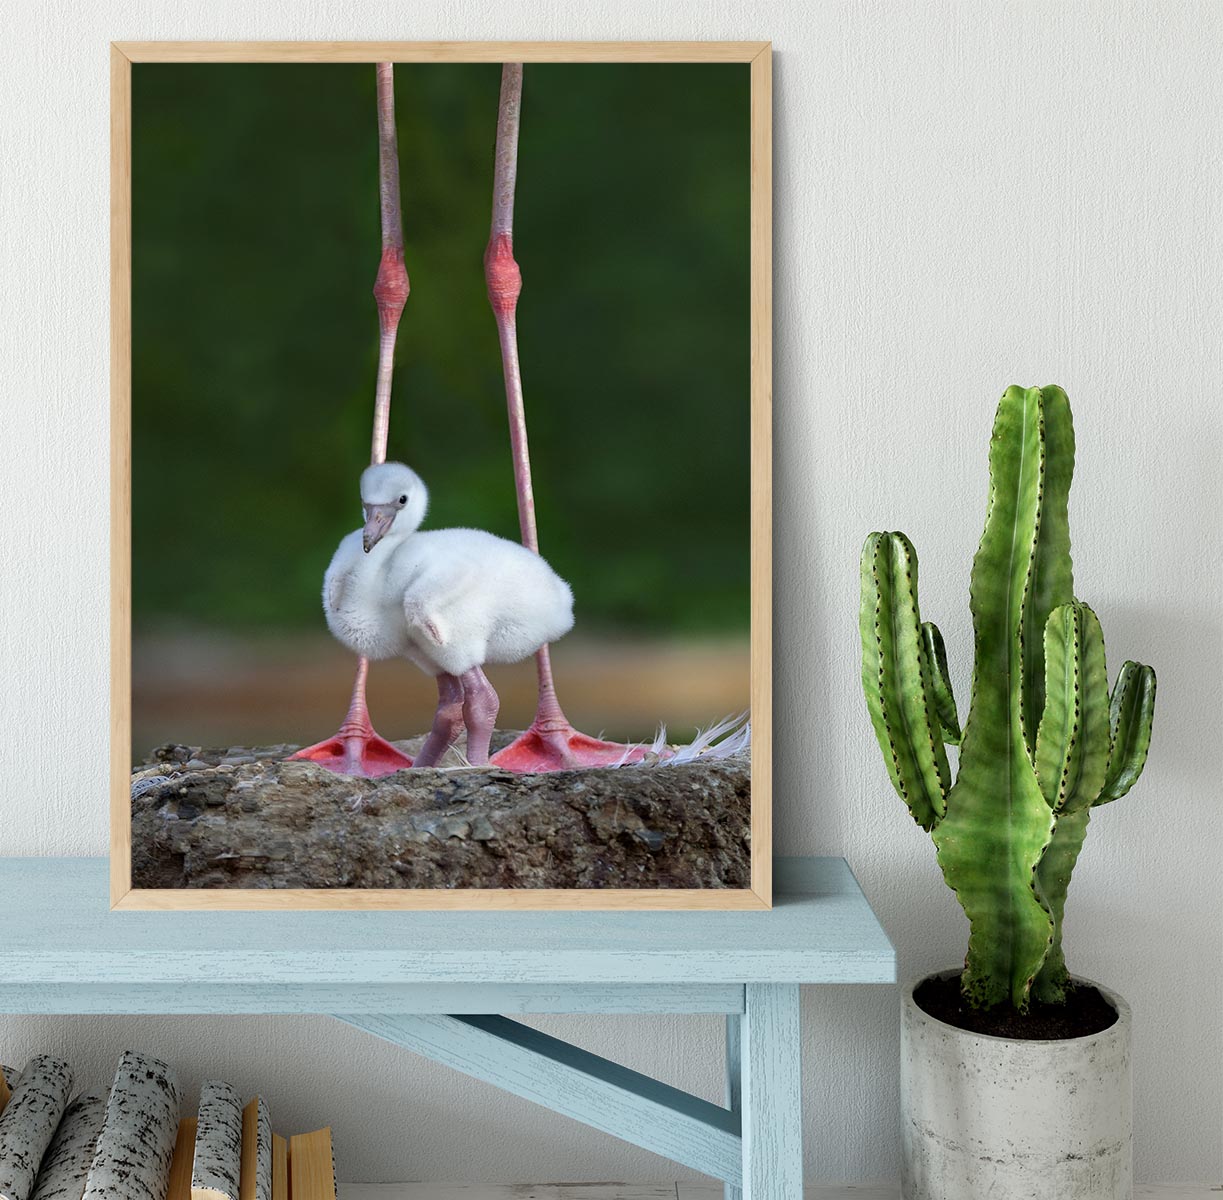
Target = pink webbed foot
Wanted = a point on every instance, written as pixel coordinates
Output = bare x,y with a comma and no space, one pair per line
547,746
356,752
356,749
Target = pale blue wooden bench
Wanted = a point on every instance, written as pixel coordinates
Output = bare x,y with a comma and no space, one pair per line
428,980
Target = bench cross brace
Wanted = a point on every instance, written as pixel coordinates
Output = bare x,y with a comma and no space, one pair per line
753,1144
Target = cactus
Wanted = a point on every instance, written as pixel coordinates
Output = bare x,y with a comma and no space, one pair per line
1043,742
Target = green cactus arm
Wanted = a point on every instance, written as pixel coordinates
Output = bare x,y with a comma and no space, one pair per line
944,698
1050,573
1131,713
1073,739
1053,881
997,824
896,677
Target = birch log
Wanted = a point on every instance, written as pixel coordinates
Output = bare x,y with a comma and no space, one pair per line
280,1168
184,1156
256,1180
136,1145
218,1144
39,1098
65,1167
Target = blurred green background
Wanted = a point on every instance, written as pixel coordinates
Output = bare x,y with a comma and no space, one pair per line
256,240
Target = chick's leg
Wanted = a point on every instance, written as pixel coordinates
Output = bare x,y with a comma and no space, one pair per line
447,721
480,705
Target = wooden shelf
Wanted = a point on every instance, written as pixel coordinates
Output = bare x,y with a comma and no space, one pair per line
64,950
438,983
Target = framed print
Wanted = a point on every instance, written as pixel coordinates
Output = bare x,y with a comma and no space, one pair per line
456,594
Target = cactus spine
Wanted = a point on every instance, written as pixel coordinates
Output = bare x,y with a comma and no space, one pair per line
1043,741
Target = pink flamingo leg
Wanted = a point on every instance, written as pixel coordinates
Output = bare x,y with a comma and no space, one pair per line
551,743
357,749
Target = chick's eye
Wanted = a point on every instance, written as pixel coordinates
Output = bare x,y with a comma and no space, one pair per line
403,500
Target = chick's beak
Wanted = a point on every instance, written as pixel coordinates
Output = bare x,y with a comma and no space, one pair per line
378,518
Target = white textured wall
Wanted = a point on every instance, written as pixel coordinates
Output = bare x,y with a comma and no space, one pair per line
968,195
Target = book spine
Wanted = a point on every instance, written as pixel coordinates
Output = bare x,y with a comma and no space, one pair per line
256,1179
218,1144
312,1166
136,1145
180,1164
280,1168
65,1167
27,1126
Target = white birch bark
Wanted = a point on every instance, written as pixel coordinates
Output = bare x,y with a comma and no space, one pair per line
132,1159
65,1166
256,1181
218,1144
40,1095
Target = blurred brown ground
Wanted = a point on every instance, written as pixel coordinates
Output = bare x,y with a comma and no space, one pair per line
214,690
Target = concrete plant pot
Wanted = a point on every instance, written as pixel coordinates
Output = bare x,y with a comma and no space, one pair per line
1015,1120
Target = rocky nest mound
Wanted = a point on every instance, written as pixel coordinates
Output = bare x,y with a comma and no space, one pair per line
248,818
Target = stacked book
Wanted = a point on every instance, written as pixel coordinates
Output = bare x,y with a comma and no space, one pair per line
132,1142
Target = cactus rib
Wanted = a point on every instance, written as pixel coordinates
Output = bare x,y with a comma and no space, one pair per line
1131,712
1072,742
997,823
1053,879
944,697
892,655
1050,573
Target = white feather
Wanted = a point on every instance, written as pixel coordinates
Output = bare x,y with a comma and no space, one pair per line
722,739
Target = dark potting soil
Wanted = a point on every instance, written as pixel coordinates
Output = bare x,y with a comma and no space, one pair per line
1084,1012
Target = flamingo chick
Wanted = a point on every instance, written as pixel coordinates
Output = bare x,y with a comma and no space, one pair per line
449,600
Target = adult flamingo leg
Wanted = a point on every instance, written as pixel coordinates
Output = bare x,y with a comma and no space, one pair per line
356,749
551,743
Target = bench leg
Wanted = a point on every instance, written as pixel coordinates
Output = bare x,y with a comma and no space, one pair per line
734,1094
769,1046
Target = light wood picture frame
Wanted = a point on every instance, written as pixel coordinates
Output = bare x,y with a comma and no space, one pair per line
757,55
